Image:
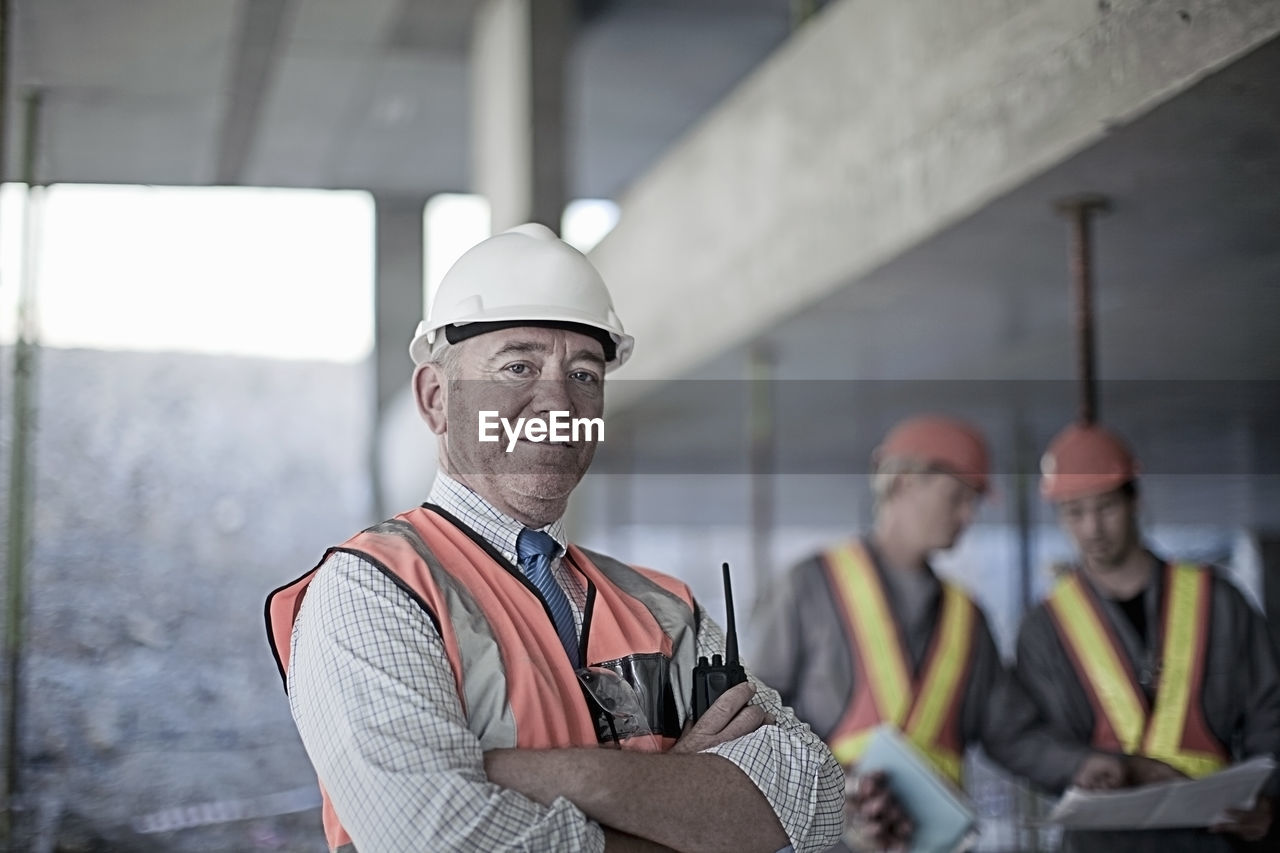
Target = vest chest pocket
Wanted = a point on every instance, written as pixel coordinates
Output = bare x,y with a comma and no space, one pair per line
631,697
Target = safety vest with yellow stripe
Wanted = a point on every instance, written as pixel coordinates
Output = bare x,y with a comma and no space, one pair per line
1174,730
925,709
516,684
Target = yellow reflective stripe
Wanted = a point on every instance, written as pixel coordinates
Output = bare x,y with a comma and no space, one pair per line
1181,633
1194,764
942,679
947,763
1182,641
1107,675
875,631
849,748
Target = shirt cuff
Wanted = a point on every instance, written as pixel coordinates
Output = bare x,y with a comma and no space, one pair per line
792,779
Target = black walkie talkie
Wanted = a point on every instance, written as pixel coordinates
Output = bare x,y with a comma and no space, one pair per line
710,679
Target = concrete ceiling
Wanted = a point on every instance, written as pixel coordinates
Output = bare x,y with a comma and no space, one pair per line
978,320
368,95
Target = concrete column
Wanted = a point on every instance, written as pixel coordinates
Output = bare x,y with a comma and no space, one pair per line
398,306
517,107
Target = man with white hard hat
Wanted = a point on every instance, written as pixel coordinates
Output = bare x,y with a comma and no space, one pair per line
866,634
1160,660
453,672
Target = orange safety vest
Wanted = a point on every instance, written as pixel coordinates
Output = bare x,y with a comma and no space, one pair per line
517,686
927,709
1174,731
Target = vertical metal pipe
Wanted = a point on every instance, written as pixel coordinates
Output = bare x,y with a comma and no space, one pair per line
620,485
1079,210
761,423
20,475
6,18
1024,455
6,57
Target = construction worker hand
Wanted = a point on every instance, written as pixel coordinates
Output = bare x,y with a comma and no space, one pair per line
1100,771
1250,824
731,716
873,811
1148,771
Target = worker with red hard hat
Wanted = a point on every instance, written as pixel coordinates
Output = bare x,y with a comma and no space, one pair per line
1161,661
866,634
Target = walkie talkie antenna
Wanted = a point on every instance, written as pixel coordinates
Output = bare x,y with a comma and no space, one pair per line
731,641
711,678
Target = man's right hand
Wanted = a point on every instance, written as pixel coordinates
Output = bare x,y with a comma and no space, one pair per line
874,814
731,716
1148,771
1101,771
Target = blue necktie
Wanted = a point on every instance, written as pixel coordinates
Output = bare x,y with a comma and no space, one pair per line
535,550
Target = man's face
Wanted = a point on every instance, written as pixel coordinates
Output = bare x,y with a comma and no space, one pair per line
939,506
1103,527
524,372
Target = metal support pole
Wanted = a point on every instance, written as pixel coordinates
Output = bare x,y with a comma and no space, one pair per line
761,423
6,21
1024,456
1080,210
620,486
20,475
6,57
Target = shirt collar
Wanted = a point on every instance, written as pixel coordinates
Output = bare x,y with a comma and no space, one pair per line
494,526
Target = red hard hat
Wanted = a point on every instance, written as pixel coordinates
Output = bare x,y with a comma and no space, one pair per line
1083,460
951,444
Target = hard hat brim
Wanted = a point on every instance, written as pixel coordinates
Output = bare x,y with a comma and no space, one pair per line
429,336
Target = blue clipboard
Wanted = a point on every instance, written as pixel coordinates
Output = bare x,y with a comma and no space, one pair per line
943,817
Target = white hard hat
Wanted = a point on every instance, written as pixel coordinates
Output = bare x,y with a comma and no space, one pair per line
524,275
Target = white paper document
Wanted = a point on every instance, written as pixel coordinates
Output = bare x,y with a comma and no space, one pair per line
1187,803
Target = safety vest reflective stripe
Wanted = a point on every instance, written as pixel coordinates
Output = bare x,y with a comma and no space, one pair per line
877,633
1187,596
1174,731
1106,669
941,684
1182,602
927,712
950,763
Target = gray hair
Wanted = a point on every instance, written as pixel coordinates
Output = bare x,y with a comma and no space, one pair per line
447,357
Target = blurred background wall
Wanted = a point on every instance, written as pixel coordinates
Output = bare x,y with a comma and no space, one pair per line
221,220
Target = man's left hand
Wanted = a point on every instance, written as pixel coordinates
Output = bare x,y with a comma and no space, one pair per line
1150,771
1250,824
729,717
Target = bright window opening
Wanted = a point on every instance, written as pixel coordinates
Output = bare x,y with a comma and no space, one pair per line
238,271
